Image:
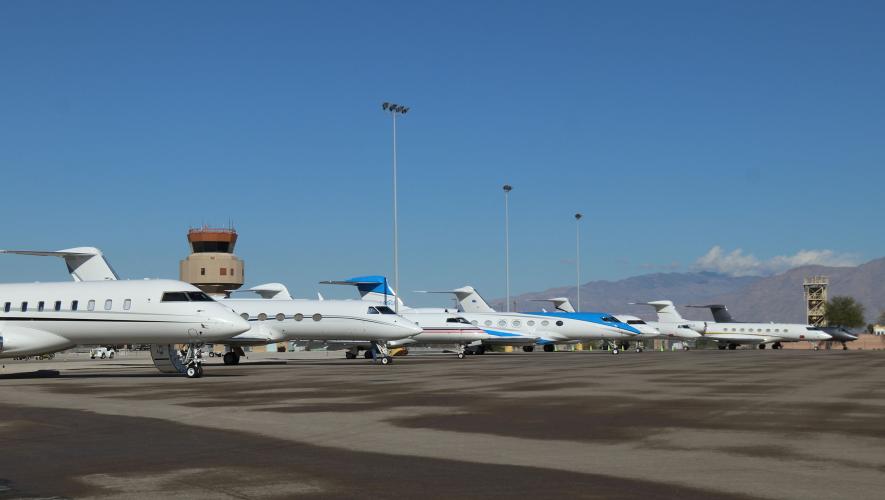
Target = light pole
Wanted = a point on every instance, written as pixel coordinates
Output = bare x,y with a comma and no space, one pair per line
507,189
578,257
395,109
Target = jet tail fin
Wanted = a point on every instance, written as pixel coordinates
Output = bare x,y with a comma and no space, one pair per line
562,304
720,312
469,300
372,288
665,309
84,263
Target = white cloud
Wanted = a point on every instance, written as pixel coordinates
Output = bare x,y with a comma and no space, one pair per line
738,263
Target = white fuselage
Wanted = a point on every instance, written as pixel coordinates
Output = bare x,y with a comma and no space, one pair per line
37,318
273,320
443,328
550,327
758,333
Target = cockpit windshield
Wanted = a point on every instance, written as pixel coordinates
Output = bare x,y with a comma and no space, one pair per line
610,319
185,297
380,310
457,320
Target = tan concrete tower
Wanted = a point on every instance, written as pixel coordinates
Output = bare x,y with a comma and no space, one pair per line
212,265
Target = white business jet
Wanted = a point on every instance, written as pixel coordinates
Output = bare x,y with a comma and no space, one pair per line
276,317
37,318
731,335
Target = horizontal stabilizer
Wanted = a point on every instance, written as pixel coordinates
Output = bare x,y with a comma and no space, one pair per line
561,304
84,263
275,291
469,300
720,312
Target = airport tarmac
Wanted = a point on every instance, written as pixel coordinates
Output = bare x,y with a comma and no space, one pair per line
698,424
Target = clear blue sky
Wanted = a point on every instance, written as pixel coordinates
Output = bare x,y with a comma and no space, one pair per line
673,126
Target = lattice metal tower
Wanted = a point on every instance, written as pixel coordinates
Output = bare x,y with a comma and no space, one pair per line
816,300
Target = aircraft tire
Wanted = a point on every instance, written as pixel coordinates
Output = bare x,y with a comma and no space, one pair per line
616,351
460,355
349,355
228,358
192,372
528,348
386,360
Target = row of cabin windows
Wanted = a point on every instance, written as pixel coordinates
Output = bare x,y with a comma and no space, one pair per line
75,305
281,317
515,323
222,271
757,330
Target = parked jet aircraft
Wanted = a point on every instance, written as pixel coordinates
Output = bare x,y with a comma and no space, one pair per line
730,335
38,318
512,328
277,317
293,319
721,315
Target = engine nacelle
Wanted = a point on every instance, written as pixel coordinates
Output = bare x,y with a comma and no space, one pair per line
21,341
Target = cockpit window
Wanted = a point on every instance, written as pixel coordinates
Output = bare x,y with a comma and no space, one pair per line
372,310
635,322
813,328
385,310
610,319
457,320
198,297
186,297
175,297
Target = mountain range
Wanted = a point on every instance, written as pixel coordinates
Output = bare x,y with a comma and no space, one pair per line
780,297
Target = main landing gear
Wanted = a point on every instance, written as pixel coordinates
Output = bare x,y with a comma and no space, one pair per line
528,348
461,350
549,348
232,357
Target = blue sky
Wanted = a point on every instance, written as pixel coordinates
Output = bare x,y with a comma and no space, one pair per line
675,127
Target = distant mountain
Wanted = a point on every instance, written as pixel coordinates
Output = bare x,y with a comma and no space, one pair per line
773,298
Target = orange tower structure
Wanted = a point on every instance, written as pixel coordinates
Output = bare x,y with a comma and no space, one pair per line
212,265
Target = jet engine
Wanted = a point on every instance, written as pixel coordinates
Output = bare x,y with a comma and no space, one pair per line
21,341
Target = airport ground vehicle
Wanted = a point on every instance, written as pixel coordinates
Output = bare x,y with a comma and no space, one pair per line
102,353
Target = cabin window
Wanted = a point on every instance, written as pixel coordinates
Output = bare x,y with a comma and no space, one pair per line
502,323
475,323
262,317
516,323
559,323
545,323
74,305
90,305
7,307
317,317
108,304
245,316
280,316
299,317
58,305
531,322
40,306
24,307
127,304
488,323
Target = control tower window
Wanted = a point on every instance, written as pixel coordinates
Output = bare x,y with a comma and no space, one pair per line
211,246
202,271
223,271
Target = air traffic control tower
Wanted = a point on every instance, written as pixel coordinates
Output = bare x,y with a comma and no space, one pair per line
212,265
